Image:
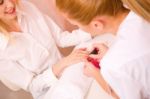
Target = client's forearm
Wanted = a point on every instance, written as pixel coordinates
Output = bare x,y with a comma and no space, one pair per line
59,67
105,86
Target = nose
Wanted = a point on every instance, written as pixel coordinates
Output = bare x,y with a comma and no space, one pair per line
8,4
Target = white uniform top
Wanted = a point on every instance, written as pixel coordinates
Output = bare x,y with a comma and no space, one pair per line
126,66
24,56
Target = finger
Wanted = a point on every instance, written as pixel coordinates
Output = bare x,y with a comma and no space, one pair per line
80,52
82,55
76,50
98,56
83,58
80,59
82,49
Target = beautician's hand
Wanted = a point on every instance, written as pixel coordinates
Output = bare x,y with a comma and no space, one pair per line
102,49
90,70
76,56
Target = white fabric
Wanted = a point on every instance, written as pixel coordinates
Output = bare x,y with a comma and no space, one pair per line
96,92
73,84
25,56
126,65
65,38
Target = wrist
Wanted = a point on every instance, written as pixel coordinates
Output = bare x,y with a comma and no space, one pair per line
58,68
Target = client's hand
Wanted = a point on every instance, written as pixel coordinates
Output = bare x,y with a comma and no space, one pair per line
90,70
76,56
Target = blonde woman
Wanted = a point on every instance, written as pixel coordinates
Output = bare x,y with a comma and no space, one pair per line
28,52
125,67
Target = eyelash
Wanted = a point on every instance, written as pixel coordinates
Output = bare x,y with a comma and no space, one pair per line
2,1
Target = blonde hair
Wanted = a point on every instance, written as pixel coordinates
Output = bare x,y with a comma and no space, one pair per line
85,10
3,27
141,7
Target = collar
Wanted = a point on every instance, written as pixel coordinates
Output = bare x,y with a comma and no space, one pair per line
3,41
20,14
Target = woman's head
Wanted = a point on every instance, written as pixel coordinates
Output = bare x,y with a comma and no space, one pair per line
83,12
141,7
7,12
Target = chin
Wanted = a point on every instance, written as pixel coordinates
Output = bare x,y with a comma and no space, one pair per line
12,17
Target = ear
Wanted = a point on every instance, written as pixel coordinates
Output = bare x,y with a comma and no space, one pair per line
97,24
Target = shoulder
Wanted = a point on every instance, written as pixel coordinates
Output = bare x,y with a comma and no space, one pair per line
132,40
133,23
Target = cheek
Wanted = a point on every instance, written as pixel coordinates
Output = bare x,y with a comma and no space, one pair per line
14,1
85,29
1,12
88,29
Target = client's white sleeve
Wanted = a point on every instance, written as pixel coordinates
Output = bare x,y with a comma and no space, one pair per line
41,83
72,85
66,38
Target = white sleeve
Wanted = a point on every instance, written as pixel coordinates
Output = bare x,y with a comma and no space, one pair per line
129,82
16,75
65,38
125,87
73,84
42,82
